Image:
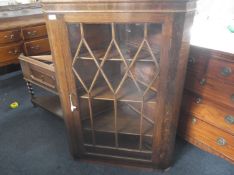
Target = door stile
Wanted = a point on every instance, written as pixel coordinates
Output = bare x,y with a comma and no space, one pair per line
162,115
60,47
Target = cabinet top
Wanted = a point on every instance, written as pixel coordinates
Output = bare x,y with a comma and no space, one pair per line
64,6
58,1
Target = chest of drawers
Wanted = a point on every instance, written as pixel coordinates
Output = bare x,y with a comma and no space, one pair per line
35,40
22,34
10,46
207,117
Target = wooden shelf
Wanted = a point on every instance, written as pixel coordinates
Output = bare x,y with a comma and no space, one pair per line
128,122
116,59
144,84
43,58
50,103
128,92
114,56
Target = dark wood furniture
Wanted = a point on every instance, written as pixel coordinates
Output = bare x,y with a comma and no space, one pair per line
39,71
25,34
10,46
35,40
120,68
207,117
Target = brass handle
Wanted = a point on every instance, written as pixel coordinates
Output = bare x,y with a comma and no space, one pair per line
11,37
42,82
37,47
221,141
33,33
226,71
198,100
14,52
203,81
229,119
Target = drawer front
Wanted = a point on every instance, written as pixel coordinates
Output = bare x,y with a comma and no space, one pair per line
222,70
197,61
217,91
10,36
10,52
43,76
210,63
207,134
216,115
37,47
39,75
34,32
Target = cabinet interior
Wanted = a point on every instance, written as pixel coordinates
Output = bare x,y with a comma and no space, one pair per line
116,66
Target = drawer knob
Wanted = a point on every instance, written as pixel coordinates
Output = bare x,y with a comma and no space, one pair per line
226,71
194,120
198,100
203,81
229,119
14,52
232,97
221,141
33,33
191,60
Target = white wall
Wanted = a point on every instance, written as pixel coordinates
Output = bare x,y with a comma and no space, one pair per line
210,25
10,2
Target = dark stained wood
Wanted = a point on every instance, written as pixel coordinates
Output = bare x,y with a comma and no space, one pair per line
217,91
9,36
34,32
194,128
49,103
60,51
17,30
208,99
16,22
9,53
37,47
39,73
175,61
207,111
76,66
221,69
119,6
205,147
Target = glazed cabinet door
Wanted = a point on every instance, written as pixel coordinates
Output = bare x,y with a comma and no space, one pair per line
116,68
112,71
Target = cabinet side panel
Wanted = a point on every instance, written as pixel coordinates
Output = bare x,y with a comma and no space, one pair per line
174,62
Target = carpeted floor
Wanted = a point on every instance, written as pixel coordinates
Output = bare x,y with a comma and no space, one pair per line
33,142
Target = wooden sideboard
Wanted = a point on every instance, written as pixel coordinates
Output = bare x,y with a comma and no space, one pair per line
25,34
207,115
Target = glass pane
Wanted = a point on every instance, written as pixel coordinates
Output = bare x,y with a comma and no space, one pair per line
116,67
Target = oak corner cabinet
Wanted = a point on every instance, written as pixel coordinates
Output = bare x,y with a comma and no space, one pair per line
120,67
